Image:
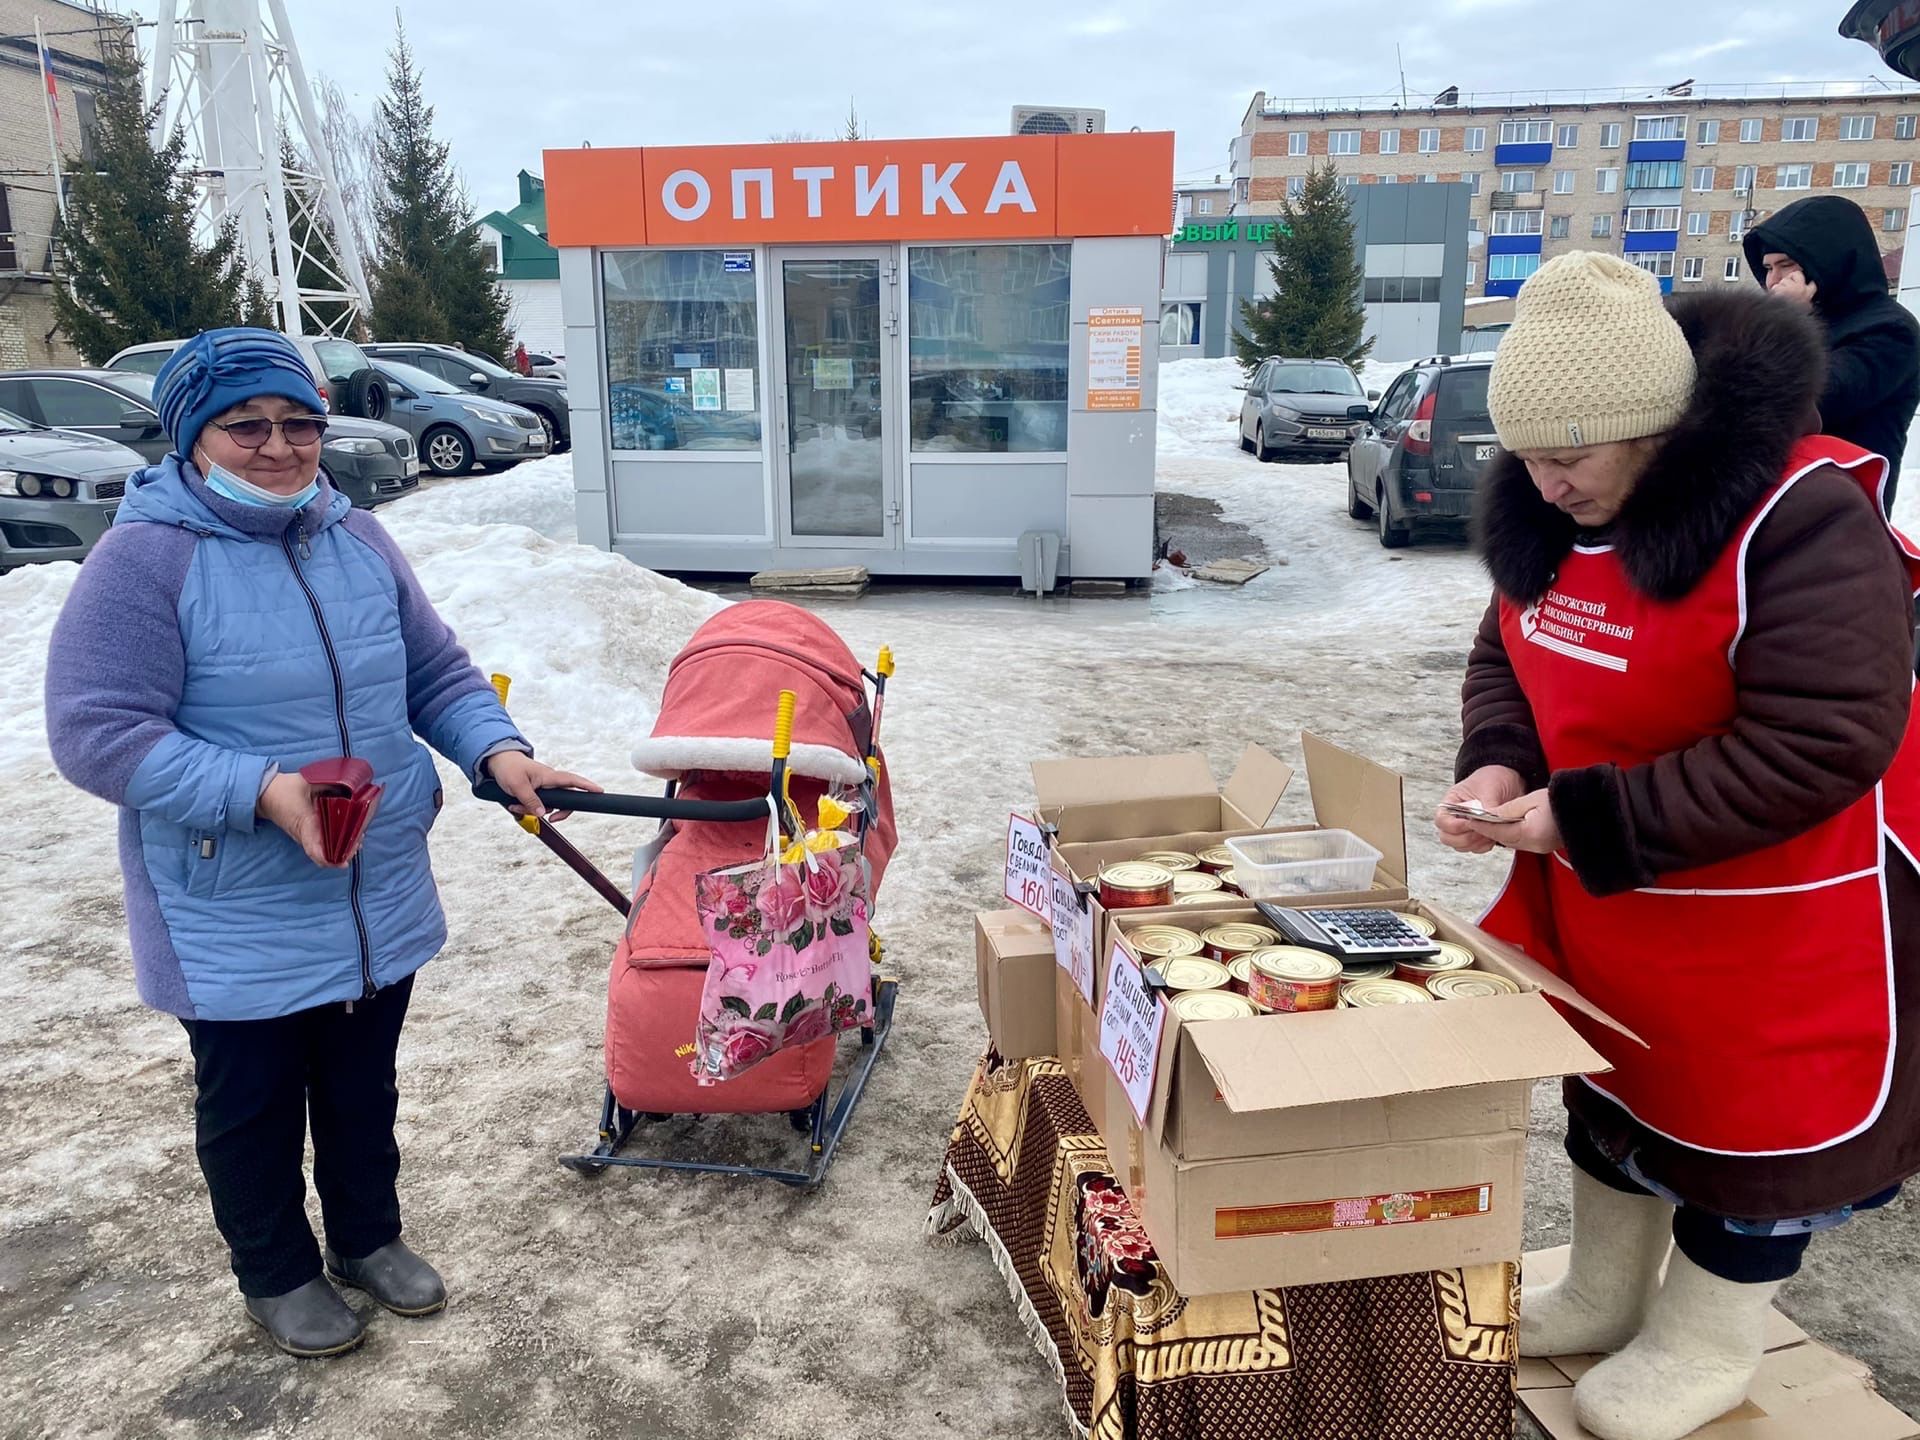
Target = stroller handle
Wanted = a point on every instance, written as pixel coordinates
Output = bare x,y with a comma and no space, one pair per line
646,807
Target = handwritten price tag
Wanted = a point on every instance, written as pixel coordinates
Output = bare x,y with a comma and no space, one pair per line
1073,935
1029,870
1130,1026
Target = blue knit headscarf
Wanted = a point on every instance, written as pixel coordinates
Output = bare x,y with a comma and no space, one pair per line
219,369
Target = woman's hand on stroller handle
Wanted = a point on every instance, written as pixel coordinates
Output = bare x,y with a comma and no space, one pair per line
524,778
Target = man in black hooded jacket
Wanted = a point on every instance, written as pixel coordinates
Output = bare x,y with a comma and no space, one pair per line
1820,252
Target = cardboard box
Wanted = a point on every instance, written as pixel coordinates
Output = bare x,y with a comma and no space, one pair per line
1803,1390
1013,952
1300,1149
1077,1042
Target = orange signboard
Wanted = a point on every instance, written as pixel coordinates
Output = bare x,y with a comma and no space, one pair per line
1008,187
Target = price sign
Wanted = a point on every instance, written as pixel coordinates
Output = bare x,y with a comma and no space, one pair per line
1073,935
1029,869
1130,1026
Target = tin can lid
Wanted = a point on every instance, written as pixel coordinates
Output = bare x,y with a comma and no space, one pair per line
1421,923
1193,972
1219,857
1364,993
1195,882
1240,936
1164,940
1202,897
1367,970
1451,957
1293,962
1212,1005
1241,968
1469,985
1136,875
1169,860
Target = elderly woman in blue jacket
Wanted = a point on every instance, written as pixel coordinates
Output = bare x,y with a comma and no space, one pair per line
239,621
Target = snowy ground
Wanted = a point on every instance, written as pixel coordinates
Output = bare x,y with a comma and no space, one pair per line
673,1306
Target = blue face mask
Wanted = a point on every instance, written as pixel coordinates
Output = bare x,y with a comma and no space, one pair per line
223,481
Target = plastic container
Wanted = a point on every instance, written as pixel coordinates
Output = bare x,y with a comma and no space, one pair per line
1303,862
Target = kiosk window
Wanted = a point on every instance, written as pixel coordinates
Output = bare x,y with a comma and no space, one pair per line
987,348
677,321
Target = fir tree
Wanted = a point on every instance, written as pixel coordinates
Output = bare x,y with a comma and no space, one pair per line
432,281
1315,310
134,269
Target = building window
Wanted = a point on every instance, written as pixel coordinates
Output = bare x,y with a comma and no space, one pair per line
1296,186
1562,227
1511,267
666,311
1603,227
1569,137
1694,267
987,347
1731,270
1793,177
1180,322
1296,142
1517,222
1477,138
1655,262
1697,222
1240,191
1394,289
1656,175
1343,142
1348,182
1386,179
1660,127
1800,128
1429,142
1900,173
1743,179
1389,142
1905,127
1473,272
1473,182
1517,182
1703,178
1856,127
1609,137
1606,181
1895,220
1852,176
1750,132
1206,204
1563,182
1642,218
1428,178
1526,132
1737,226
1708,133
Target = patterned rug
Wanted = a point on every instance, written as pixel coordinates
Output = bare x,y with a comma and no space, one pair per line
1409,1357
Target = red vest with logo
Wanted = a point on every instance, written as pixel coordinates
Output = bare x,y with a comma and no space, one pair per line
1763,984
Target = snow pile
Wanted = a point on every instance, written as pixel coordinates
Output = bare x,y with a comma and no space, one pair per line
537,494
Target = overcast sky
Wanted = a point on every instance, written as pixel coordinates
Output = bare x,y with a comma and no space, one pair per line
508,79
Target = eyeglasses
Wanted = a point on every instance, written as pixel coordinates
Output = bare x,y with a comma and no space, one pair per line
252,433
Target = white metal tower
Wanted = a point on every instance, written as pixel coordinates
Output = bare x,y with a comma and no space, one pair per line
229,74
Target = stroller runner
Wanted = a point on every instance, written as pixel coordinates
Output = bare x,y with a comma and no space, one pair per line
764,708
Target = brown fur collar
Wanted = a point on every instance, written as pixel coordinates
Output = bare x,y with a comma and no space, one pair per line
1761,367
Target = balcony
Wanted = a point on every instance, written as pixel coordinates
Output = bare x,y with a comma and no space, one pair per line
1513,244
1523,156
1650,242
1517,200
1642,150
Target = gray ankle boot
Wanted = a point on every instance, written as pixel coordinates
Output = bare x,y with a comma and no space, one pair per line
309,1322
393,1275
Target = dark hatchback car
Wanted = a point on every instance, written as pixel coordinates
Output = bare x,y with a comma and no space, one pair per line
1423,450
547,399
369,462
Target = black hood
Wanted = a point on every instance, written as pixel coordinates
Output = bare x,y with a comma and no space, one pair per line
1833,241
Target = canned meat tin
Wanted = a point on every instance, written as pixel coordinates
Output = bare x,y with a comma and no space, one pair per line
1469,985
1174,860
1354,970
1420,923
1202,897
1194,882
1225,942
1212,1005
1451,958
1193,972
1361,994
1132,885
1216,859
1289,978
1238,970
1163,942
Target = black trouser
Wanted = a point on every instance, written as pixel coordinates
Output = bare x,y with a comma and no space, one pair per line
259,1082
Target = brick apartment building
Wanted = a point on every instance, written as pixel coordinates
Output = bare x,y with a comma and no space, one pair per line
79,39
1672,181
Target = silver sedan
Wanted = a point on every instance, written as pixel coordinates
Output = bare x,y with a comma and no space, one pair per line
454,429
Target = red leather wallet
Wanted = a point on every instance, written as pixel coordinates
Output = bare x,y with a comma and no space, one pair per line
346,798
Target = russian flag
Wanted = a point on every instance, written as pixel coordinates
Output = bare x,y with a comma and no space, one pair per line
53,92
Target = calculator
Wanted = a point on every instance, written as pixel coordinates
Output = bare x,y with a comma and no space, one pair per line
1350,934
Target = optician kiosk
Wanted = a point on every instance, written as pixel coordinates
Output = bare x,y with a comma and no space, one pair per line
898,354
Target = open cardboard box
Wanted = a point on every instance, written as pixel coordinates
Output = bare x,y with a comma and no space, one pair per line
1013,954
1803,1391
1300,1149
1077,1043
1102,811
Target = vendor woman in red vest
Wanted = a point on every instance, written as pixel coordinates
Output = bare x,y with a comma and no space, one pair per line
1690,700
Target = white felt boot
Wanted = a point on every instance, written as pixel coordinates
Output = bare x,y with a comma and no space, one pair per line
1613,1271
1691,1363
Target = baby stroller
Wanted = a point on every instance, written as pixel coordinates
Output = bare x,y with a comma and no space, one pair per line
712,741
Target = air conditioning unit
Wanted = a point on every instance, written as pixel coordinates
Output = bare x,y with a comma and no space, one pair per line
1057,120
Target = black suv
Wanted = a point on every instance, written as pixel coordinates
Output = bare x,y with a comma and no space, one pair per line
547,399
1423,450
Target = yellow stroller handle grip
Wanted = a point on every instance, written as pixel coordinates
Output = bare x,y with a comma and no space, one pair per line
884,665
783,727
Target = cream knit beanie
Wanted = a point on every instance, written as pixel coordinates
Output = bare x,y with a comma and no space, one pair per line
1592,356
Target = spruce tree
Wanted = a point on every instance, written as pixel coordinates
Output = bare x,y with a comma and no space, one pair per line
431,282
1315,310
134,270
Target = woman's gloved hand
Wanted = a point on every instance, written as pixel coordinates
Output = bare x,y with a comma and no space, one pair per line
287,801
1491,786
519,774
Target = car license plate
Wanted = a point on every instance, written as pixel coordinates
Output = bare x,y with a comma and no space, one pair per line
413,468
1314,432
1484,452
